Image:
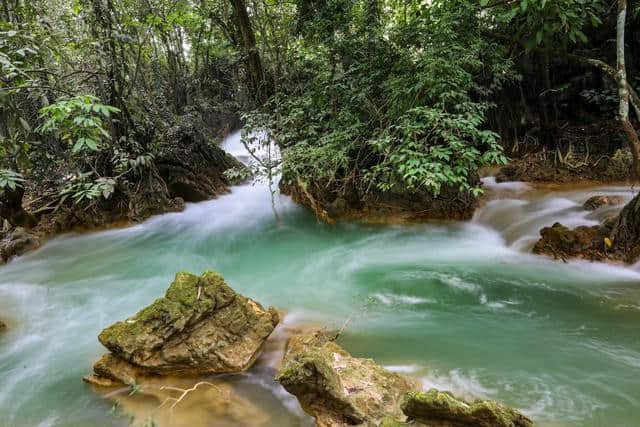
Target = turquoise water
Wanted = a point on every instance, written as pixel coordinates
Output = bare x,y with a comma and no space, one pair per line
459,306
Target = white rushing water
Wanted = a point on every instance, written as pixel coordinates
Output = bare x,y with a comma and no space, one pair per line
462,306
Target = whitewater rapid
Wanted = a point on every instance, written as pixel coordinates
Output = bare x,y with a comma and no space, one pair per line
460,306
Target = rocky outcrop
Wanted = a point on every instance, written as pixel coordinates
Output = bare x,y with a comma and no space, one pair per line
187,168
597,202
16,242
561,242
397,205
617,239
336,388
201,326
192,167
437,408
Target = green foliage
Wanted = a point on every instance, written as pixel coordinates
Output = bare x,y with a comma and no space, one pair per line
401,106
84,187
78,121
10,179
548,23
605,100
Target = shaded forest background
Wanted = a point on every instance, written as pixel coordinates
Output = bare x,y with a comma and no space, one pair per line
111,110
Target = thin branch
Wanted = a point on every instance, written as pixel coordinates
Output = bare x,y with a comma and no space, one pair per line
183,393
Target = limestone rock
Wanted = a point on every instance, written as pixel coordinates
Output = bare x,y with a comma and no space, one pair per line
596,202
436,408
336,388
200,326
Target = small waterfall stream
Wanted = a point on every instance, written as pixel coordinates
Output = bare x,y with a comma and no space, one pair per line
462,306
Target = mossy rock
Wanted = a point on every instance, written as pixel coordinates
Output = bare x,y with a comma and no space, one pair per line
200,326
336,388
435,408
562,242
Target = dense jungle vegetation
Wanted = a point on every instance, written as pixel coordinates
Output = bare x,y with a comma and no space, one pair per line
360,96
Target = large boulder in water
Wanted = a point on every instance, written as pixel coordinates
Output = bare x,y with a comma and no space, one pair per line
616,240
336,388
562,242
437,408
200,326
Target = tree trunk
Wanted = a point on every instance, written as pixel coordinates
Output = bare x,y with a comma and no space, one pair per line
255,73
11,209
623,90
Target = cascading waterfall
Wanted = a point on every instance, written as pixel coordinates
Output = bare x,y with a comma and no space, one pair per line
462,306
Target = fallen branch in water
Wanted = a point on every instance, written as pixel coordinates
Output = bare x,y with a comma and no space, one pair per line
184,393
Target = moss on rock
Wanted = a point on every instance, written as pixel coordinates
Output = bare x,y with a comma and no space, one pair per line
200,326
337,388
562,242
435,408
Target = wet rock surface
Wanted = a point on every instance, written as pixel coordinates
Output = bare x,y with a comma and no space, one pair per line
437,408
336,388
561,242
617,239
186,402
201,326
597,202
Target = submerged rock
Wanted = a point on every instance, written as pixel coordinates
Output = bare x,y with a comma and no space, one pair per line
436,408
200,326
596,202
2,326
187,402
336,388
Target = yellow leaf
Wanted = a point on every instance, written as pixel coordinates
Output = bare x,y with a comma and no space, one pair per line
607,242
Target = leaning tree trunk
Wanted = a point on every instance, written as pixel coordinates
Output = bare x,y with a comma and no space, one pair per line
623,90
255,72
625,233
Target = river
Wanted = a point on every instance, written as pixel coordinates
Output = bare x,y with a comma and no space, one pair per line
461,306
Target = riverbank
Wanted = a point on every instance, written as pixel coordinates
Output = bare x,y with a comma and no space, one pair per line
188,169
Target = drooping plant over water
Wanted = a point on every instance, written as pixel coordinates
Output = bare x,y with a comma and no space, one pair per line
380,100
